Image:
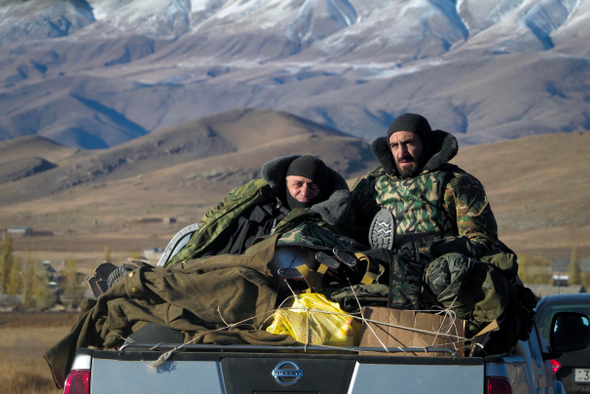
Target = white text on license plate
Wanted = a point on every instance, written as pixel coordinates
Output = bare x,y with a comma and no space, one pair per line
582,375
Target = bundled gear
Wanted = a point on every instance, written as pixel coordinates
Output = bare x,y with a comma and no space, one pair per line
481,292
260,209
306,322
312,270
349,297
429,271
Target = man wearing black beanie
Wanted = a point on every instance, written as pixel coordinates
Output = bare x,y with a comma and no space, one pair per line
421,192
307,182
426,218
293,192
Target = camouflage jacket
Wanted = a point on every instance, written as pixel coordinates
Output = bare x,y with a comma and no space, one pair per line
319,226
442,199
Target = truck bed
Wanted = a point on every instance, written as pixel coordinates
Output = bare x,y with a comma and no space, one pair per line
217,369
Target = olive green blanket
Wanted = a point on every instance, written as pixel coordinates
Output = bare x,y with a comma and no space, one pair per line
201,298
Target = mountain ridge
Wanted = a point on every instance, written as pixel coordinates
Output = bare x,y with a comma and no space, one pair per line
237,131
129,68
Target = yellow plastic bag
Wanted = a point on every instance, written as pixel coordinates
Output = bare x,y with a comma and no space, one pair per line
336,328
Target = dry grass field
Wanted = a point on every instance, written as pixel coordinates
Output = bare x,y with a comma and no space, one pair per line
24,339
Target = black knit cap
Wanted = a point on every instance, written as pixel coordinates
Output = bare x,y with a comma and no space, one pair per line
413,123
312,168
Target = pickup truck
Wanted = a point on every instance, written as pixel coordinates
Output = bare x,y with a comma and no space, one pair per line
233,369
212,369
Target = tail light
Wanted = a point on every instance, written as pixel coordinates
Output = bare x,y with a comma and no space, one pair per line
555,366
78,382
497,385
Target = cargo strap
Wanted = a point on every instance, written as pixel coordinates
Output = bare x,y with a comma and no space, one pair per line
311,272
313,277
374,270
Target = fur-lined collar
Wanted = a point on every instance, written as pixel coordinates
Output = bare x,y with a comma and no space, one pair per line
443,147
333,210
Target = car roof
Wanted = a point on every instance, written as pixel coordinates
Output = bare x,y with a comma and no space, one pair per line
564,299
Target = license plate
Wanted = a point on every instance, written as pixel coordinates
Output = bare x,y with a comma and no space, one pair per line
582,375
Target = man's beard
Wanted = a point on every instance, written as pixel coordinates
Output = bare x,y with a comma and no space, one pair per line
412,170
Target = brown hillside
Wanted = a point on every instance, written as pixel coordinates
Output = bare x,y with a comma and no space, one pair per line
539,189
34,145
194,140
537,186
260,127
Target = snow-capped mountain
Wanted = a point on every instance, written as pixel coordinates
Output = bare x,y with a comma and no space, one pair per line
97,73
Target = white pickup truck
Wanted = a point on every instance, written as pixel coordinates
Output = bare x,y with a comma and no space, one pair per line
214,369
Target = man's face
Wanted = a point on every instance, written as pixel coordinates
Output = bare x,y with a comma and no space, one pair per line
408,152
301,188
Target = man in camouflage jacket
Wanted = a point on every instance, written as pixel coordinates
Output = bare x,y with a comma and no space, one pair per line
316,225
427,196
440,236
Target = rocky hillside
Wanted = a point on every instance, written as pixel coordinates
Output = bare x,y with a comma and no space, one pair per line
237,142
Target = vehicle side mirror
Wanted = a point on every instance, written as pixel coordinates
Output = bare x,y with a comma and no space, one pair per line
570,331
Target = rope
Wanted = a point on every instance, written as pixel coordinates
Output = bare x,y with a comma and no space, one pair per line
165,356
364,321
448,313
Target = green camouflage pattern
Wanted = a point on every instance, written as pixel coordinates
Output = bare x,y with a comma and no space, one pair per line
300,227
405,282
463,208
415,203
303,227
220,217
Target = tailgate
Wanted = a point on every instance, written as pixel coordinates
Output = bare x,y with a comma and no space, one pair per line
211,373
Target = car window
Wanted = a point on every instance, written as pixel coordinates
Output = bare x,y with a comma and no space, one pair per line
545,315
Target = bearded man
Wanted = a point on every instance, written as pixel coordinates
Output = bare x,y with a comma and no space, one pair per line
416,195
434,234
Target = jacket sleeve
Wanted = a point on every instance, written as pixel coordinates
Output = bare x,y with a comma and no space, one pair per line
466,202
236,197
364,203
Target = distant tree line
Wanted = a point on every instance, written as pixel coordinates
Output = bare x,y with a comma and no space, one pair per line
31,279
538,269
